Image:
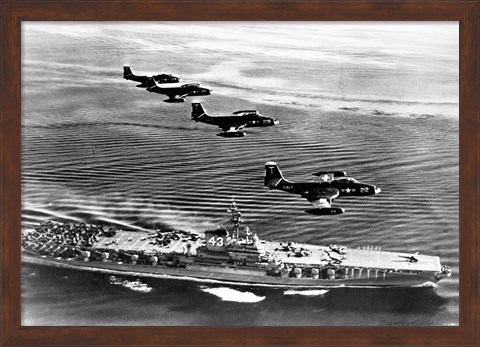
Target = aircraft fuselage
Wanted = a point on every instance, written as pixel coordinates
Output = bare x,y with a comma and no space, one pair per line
331,185
344,188
249,121
182,91
231,124
148,81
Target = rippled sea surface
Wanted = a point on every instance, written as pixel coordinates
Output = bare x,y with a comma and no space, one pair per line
378,101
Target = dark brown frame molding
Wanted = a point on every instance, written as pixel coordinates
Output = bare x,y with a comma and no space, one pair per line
14,12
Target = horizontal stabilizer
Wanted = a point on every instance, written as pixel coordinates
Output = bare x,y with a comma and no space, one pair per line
173,101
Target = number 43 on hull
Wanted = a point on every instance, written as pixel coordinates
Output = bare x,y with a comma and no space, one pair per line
320,194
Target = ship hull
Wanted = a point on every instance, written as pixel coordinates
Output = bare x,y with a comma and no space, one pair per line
254,277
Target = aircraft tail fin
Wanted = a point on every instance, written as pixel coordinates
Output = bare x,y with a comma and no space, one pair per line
273,175
127,71
197,110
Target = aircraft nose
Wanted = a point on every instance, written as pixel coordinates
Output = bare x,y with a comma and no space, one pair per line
276,122
377,190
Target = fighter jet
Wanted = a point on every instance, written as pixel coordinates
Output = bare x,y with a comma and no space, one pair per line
177,94
411,258
147,81
320,194
232,125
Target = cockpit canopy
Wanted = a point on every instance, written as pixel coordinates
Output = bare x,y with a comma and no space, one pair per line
347,179
254,113
191,85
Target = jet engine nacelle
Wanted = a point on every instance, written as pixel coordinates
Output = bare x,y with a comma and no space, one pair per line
174,101
325,211
232,134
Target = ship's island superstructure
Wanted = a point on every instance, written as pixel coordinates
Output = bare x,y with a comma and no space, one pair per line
235,255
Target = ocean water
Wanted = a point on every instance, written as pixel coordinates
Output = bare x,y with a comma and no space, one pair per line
379,101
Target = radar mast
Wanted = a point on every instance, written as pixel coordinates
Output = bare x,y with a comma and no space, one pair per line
236,218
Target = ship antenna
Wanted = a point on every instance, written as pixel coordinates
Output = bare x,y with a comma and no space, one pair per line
236,217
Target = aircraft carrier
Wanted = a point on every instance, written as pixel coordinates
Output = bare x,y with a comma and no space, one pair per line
233,254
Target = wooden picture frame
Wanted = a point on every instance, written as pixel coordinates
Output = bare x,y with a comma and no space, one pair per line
14,12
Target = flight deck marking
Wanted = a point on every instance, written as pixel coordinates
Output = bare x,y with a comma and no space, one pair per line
176,245
138,240
118,240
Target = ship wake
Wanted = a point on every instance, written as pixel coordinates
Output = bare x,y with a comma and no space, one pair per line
228,294
311,292
136,285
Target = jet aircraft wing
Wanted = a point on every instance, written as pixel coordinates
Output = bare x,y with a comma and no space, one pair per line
156,89
321,197
171,92
231,128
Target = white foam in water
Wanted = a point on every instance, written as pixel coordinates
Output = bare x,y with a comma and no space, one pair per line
427,284
311,292
228,294
133,285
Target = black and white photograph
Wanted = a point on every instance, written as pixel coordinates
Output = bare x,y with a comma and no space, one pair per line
240,173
